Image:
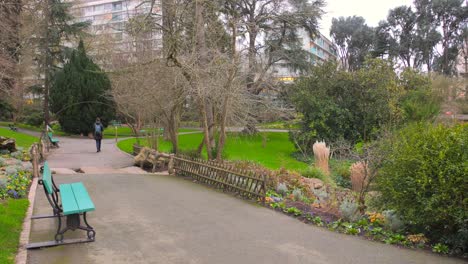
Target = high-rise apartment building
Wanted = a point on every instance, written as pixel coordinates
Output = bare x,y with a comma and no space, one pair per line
320,48
109,20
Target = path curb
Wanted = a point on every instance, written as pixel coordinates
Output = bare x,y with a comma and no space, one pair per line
22,255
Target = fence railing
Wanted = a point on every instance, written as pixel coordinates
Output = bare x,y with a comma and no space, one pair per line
222,176
37,152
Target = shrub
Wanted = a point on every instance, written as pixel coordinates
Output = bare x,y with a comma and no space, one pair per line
282,188
297,193
11,170
191,153
17,155
393,221
423,179
349,210
313,172
341,173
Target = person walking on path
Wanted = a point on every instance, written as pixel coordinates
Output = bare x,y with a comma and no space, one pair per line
98,130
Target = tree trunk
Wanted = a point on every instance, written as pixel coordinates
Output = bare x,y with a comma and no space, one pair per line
48,59
173,127
222,133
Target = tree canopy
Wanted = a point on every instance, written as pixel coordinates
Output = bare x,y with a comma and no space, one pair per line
80,93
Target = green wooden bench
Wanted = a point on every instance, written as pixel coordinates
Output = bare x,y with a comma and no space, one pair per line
53,140
70,201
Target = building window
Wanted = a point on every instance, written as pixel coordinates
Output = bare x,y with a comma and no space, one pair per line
117,6
313,49
87,10
98,8
116,17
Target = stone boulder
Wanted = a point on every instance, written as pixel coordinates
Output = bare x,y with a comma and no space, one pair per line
7,144
313,183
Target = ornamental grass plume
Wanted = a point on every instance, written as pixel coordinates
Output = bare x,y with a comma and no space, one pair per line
321,156
359,171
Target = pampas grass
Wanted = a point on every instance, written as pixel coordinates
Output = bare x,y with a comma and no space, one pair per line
359,175
321,156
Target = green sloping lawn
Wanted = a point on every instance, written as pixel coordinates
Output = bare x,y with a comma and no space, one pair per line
277,152
12,212
22,140
124,131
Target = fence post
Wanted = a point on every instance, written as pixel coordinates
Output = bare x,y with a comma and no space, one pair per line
171,164
35,159
264,188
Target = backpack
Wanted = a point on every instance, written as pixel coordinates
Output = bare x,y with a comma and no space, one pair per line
98,129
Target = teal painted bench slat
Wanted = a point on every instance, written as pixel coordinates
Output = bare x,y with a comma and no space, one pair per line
75,199
47,178
52,139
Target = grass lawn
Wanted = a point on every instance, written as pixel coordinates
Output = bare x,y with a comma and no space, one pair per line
33,128
276,153
12,212
124,131
22,140
280,125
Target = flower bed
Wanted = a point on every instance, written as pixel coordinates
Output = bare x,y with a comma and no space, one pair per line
15,174
15,180
334,208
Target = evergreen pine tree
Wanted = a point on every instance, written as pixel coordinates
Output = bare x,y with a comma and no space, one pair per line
80,93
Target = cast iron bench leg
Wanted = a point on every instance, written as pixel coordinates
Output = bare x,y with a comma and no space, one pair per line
73,222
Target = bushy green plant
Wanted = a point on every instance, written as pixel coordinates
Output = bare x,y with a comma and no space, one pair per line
350,229
17,155
393,221
191,153
440,248
297,193
335,104
313,172
341,173
4,151
423,179
11,170
349,210
293,210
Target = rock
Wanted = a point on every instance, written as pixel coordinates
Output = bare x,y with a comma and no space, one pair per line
12,162
313,183
7,144
277,199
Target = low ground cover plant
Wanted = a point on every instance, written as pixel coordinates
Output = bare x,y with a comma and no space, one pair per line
15,179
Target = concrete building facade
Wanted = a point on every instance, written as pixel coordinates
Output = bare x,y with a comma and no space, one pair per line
109,19
321,49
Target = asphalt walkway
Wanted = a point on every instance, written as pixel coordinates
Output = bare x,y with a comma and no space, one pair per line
76,153
166,219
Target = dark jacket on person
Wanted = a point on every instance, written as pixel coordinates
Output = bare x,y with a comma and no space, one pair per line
98,132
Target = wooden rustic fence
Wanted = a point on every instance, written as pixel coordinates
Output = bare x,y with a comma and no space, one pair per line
246,184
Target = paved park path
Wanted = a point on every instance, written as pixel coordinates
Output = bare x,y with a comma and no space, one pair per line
77,153
147,218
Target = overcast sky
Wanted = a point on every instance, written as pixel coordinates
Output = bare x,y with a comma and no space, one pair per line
371,10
